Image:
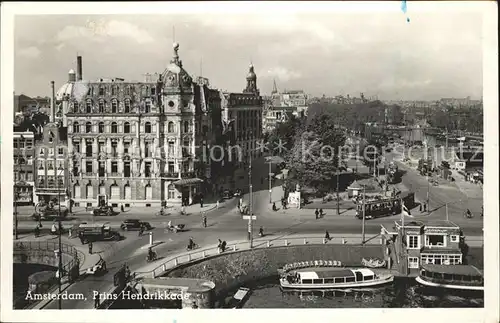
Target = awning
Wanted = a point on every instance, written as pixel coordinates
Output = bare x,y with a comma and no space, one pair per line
188,181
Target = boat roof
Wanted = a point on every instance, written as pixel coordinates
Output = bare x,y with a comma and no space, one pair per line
326,274
240,294
453,269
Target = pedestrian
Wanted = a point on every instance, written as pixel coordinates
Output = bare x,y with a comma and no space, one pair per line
122,208
69,231
420,207
96,302
321,212
90,247
316,213
217,204
425,207
327,236
204,221
201,202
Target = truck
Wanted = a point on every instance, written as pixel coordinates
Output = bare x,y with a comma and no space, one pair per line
96,232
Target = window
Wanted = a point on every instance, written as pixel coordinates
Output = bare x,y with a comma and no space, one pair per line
42,152
454,238
102,167
88,127
50,165
114,127
41,181
101,127
185,144
171,191
413,262
149,192
350,279
90,192
171,167
88,149
88,106
171,127
147,169
75,106
76,146
148,107
30,160
60,181
126,127
153,91
126,169
101,106
114,167
434,240
126,147
306,281
113,90
413,242
115,191
60,151
114,106
147,149
101,90
128,192
127,106
147,127
114,145
171,149
186,126
185,167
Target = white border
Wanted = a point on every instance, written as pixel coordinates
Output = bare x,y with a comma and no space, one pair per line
490,85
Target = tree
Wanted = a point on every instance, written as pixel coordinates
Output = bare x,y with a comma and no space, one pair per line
314,158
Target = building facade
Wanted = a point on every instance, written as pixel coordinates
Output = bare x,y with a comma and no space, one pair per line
242,120
138,143
280,107
51,164
432,242
24,167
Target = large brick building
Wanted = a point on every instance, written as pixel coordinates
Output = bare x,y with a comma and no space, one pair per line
24,170
139,143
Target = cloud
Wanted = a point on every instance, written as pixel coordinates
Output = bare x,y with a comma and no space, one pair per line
282,74
100,31
30,52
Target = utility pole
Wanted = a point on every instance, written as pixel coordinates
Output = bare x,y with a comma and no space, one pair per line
250,208
364,216
270,182
338,200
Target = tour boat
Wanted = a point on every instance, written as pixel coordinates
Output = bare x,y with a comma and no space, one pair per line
330,278
462,277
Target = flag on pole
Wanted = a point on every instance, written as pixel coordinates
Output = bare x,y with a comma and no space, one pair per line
404,210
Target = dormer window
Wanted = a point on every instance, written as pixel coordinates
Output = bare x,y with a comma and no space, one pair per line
88,106
127,106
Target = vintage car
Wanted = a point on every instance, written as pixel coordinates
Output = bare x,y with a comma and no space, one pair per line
104,210
134,224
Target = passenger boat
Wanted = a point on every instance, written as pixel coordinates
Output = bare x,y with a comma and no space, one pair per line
306,264
461,277
239,298
329,278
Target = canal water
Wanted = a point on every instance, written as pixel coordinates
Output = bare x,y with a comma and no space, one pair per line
403,293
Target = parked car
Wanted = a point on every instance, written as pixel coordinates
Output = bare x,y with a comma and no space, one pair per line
105,210
134,224
227,194
96,232
238,192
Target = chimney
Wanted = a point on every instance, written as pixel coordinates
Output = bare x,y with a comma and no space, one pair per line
79,75
53,103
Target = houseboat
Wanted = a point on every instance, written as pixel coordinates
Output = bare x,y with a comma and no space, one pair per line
458,277
334,278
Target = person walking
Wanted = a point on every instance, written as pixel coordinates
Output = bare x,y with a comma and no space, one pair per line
327,236
201,202
96,302
204,220
217,204
316,213
90,247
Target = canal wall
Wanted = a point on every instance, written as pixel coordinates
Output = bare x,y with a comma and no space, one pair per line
229,271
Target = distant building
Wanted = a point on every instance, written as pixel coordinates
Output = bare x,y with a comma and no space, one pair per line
24,167
242,122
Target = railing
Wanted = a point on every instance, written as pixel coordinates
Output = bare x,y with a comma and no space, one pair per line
196,255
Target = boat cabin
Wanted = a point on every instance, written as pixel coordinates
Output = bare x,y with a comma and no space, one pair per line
458,274
332,276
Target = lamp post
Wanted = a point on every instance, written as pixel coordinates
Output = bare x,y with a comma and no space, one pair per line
250,229
364,216
270,183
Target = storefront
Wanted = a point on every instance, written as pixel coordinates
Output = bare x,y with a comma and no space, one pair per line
23,193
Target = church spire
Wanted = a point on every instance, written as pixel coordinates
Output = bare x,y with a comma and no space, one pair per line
275,88
251,81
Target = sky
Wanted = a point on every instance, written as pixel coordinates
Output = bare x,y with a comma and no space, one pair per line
432,56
